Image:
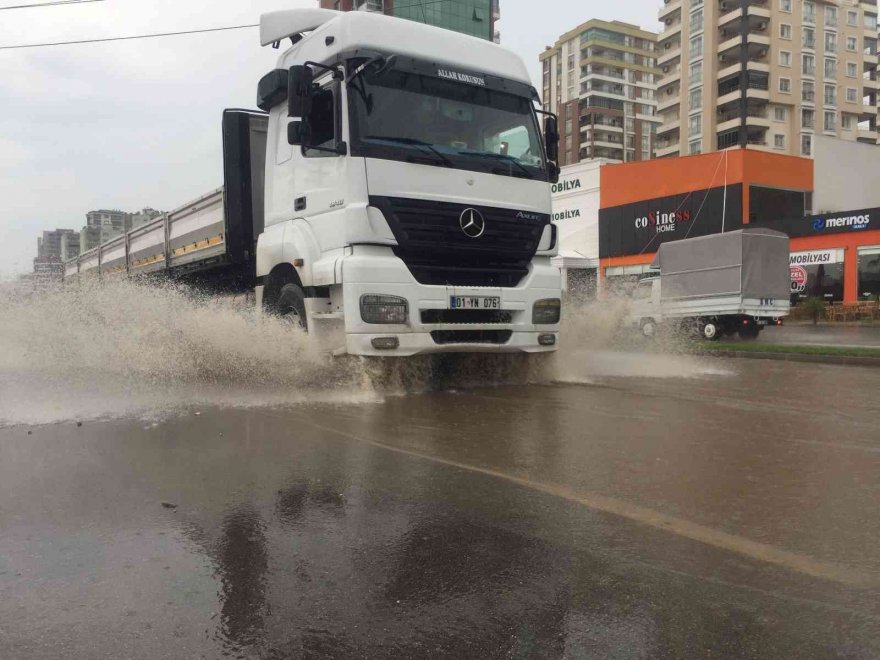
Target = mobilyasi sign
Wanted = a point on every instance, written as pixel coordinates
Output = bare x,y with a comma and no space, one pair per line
643,226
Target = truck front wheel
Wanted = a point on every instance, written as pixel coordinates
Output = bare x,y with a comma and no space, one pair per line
291,306
649,328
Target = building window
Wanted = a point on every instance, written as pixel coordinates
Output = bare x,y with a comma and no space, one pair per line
809,65
830,16
779,142
809,11
830,42
785,5
571,61
779,113
852,18
806,145
784,58
808,91
696,47
852,95
697,21
569,125
871,21
830,68
695,147
695,125
830,94
808,119
785,85
830,121
696,73
809,36
852,70
695,99
785,31
852,44
847,122
869,272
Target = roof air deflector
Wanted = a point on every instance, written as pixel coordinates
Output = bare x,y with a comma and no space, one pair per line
279,25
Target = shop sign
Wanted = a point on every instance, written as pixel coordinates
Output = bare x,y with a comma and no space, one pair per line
798,278
567,185
814,258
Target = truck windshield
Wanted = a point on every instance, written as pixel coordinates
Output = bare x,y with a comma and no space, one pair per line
421,119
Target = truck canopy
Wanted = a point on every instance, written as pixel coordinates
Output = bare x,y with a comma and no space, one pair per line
749,263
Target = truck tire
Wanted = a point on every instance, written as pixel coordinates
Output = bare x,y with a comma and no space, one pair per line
710,330
291,306
649,328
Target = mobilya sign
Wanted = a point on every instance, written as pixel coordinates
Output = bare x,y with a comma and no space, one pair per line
814,258
565,186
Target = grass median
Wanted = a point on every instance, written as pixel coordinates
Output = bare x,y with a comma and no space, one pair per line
755,347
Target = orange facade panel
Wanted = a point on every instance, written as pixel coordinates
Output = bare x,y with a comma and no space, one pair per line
629,183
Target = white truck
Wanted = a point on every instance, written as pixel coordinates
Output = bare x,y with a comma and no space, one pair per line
392,197
732,283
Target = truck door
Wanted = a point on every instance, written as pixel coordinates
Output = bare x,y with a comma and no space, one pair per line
321,182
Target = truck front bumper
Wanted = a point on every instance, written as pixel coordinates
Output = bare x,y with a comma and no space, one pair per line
379,272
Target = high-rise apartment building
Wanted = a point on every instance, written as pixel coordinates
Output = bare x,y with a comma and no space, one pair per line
766,74
600,78
477,18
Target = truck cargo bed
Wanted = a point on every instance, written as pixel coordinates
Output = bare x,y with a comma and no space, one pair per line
214,232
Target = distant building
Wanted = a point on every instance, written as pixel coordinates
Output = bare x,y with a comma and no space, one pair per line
144,216
92,237
477,18
49,245
69,246
600,78
103,218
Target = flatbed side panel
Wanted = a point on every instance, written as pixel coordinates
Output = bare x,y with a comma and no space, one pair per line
113,256
725,305
197,231
244,163
146,247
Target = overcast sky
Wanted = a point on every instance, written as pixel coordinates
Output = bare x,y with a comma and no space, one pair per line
137,123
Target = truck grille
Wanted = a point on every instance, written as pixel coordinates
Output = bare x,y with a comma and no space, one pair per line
471,336
462,316
436,250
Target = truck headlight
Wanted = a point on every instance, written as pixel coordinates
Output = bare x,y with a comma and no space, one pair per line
384,310
546,312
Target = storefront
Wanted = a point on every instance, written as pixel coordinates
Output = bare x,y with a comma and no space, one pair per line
834,256
576,216
644,204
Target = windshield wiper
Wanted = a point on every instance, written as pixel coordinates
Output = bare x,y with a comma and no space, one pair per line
417,143
501,157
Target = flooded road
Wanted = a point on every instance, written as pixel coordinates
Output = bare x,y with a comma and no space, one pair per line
727,511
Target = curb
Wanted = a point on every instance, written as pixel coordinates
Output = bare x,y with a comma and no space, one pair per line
845,360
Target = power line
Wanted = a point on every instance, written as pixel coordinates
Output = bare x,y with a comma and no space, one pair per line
137,36
50,4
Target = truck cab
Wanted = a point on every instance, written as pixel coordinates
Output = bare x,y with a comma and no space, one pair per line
407,189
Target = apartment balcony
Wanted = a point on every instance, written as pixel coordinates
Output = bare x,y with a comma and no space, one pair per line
608,127
669,101
733,69
754,120
669,55
869,110
669,125
757,16
669,31
664,149
653,119
759,46
871,58
870,85
868,135
669,10
670,77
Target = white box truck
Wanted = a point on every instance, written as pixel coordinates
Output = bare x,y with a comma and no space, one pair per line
392,197
732,283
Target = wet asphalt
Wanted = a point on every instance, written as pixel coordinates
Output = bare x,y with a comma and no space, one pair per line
718,516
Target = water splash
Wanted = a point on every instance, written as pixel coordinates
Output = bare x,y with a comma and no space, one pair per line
121,348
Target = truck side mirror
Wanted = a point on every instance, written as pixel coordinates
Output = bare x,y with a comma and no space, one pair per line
553,172
299,91
298,133
551,138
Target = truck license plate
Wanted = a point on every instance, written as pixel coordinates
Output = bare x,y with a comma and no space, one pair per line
474,302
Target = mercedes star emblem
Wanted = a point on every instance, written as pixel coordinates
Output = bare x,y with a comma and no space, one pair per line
472,223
